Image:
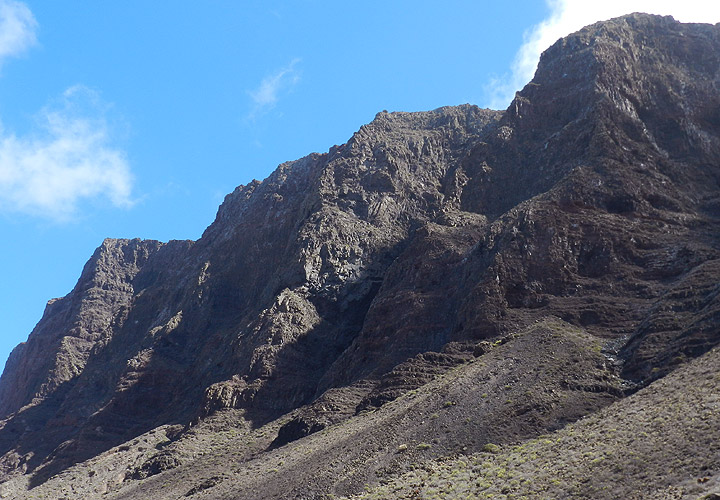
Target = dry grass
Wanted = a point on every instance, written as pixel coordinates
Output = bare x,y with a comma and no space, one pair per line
661,443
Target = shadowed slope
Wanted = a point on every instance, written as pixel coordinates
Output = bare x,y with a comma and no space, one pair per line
347,279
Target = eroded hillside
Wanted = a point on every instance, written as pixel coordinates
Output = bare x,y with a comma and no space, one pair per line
443,281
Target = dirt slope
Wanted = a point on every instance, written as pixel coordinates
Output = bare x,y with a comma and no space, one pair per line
443,281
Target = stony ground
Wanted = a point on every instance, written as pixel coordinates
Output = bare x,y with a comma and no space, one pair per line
661,443
454,302
462,435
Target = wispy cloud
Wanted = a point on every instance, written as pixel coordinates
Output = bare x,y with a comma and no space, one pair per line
567,16
267,94
68,159
17,29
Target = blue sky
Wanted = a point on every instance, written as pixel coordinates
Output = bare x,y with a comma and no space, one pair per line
134,119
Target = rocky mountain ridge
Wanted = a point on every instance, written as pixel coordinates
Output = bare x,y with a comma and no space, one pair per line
535,265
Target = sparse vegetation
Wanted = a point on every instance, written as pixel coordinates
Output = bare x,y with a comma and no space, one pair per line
491,448
608,455
367,261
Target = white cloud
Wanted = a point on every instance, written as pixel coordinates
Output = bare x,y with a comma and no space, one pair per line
17,29
70,159
268,92
568,16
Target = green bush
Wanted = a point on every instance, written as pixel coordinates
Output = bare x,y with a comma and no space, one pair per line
491,448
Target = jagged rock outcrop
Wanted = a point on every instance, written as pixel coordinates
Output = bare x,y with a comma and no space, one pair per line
349,278
58,349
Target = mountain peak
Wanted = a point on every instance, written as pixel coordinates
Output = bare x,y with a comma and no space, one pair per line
444,280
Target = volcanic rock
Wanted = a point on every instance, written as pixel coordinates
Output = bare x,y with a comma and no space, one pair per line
443,281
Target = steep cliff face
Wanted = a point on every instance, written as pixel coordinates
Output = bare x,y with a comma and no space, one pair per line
580,203
346,279
58,349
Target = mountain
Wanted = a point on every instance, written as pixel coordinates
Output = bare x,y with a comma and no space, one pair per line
458,286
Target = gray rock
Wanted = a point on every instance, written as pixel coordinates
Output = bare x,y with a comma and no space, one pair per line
593,198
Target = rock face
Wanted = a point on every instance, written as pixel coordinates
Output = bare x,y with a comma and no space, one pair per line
349,278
